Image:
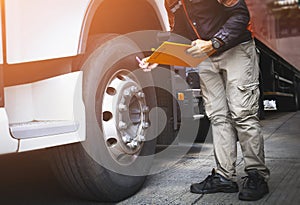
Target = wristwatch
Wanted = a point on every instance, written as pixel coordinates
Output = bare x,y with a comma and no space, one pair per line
216,43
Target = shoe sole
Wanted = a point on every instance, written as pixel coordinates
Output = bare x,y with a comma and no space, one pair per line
250,199
214,191
245,198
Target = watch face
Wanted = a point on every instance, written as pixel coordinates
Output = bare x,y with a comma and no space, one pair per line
216,44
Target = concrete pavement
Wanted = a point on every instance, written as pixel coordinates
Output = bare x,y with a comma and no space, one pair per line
282,150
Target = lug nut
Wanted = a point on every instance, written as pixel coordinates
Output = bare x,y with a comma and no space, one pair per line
146,125
141,94
126,139
127,93
141,138
134,89
122,125
122,108
133,144
146,109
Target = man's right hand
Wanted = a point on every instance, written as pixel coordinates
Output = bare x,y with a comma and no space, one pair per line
146,66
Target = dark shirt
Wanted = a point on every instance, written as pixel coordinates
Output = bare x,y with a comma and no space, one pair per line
213,19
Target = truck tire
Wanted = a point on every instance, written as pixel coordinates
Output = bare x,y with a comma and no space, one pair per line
286,104
107,166
291,103
204,124
203,130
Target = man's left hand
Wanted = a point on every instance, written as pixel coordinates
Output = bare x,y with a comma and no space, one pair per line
200,48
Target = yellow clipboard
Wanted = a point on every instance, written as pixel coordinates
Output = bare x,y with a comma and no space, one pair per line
169,53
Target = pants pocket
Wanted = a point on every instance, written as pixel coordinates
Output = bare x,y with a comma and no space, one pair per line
250,96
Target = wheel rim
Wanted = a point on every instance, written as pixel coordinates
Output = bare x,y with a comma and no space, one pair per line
124,118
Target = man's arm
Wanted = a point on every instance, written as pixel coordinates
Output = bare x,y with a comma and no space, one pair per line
235,26
237,22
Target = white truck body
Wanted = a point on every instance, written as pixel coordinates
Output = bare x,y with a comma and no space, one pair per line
38,31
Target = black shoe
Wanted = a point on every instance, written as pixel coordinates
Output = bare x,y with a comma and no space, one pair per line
215,183
254,187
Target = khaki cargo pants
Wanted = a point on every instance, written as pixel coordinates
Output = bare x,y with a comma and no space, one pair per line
229,84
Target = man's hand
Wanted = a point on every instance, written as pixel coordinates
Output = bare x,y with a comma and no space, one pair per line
145,65
200,48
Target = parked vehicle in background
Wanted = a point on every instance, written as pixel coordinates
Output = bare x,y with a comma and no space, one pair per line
277,31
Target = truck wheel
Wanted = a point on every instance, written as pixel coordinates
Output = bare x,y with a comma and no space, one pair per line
204,124
286,104
203,130
294,103
113,162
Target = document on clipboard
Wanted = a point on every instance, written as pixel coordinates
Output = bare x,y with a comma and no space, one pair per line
169,53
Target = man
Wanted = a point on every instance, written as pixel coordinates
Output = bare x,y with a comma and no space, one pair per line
229,84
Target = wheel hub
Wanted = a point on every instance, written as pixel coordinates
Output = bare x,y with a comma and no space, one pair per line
125,118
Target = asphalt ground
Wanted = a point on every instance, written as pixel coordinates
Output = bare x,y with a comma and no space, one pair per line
26,178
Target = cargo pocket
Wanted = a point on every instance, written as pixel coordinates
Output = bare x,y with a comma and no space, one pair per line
249,98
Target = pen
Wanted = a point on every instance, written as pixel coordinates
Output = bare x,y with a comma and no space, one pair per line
138,60
142,63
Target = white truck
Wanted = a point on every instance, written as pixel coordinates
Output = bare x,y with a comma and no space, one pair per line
67,79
